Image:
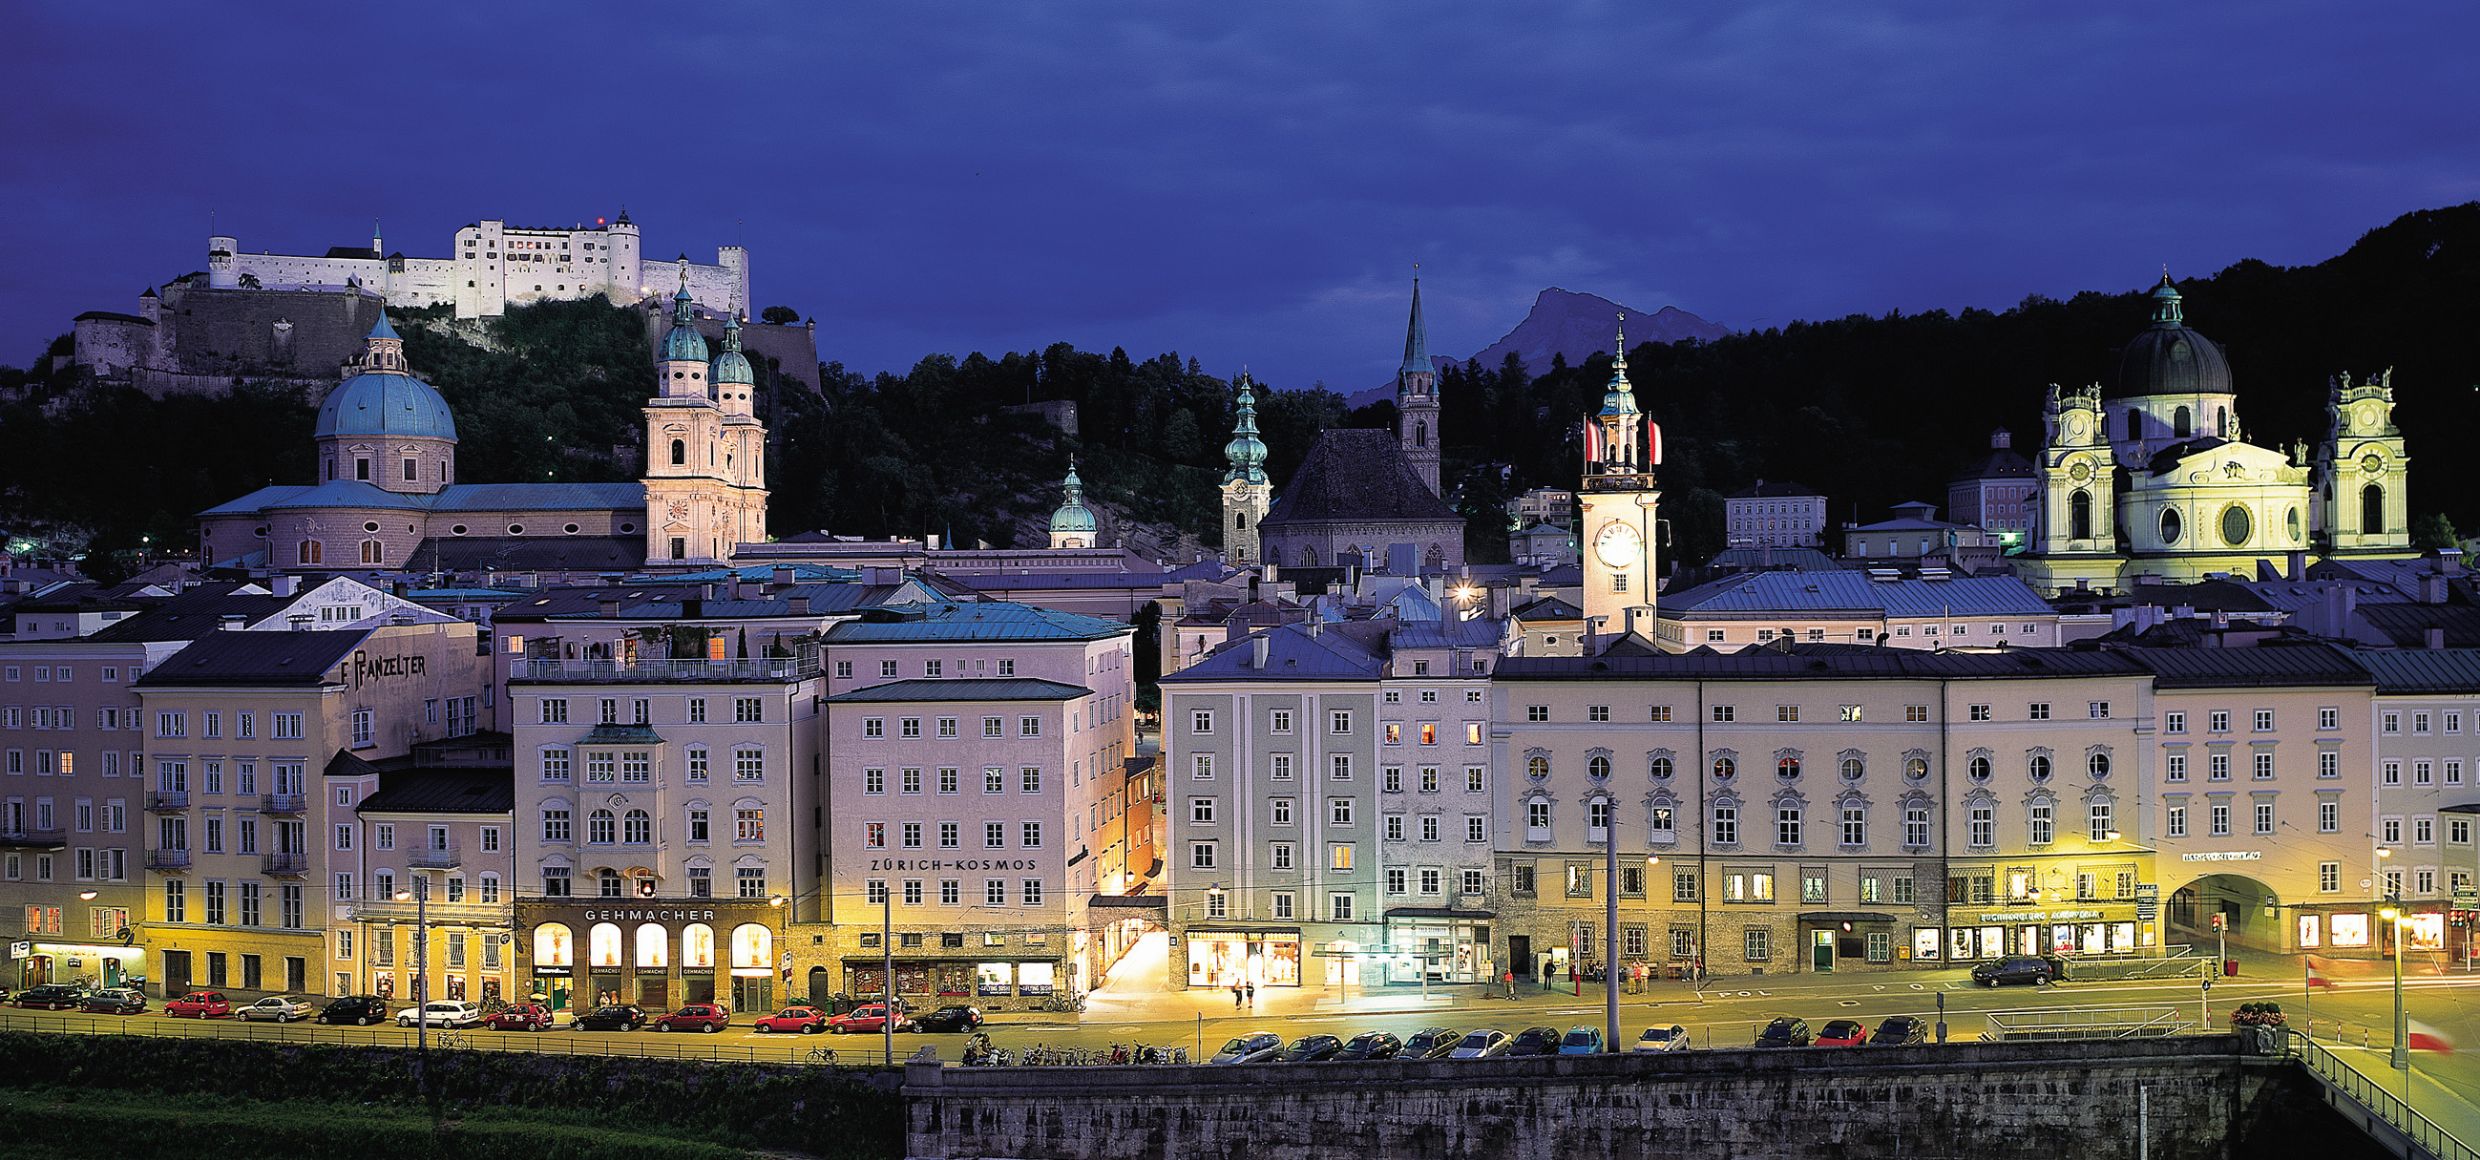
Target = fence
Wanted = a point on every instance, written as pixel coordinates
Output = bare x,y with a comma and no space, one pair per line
2172,962
2422,1133
2090,1023
843,1051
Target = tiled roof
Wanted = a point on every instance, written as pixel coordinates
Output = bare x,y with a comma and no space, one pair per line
1357,475
1066,578
2270,665
530,553
963,689
1775,559
255,658
1478,633
461,497
444,791
995,620
1794,592
1548,608
2001,463
2440,670
1807,663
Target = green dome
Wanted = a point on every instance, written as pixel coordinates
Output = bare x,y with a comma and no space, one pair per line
684,343
1246,451
732,366
1073,516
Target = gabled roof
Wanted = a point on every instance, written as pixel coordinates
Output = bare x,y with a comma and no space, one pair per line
460,497
256,658
529,554
962,689
2439,670
1293,653
1548,608
443,791
1358,475
193,615
1474,634
2406,624
2001,463
1804,662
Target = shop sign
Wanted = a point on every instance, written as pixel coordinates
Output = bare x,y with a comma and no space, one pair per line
2039,915
955,864
2224,856
2148,892
555,972
21,949
363,669
655,914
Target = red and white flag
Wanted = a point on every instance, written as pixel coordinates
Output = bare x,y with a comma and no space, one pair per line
1653,443
2317,976
1592,443
2423,1037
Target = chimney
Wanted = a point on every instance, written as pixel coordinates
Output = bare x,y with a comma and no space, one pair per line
2436,637
800,605
235,622
1258,648
2432,588
284,586
2297,570
2449,561
783,575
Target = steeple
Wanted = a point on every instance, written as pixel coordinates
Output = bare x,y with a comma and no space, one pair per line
1619,398
684,343
1246,451
731,366
1416,398
1620,503
1416,335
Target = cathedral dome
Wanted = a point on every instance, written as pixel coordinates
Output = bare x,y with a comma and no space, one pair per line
684,343
383,403
2170,359
1073,517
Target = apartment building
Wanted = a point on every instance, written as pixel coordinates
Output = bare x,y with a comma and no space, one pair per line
2427,734
435,843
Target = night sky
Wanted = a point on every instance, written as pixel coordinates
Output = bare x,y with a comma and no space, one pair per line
1244,183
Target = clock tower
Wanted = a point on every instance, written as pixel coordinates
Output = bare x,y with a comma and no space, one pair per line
1620,502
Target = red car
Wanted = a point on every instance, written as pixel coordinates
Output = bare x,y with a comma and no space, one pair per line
520,1017
705,1017
200,1005
869,1017
1842,1033
806,1020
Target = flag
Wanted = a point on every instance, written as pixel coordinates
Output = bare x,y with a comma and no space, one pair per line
1653,444
2426,1038
2317,977
1592,443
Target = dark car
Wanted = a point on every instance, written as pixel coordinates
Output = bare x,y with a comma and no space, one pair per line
114,1001
953,1017
51,996
363,1010
1430,1043
1312,1049
1535,1041
1843,1033
1786,1031
1900,1031
621,1018
2033,969
1370,1045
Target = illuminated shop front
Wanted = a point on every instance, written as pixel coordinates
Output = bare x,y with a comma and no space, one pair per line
986,980
1268,958
655,956
1452,946
2100,929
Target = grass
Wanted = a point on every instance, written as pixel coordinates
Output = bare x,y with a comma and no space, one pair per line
47,1123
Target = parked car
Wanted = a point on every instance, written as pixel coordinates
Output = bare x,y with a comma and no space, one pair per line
1581,1041
277,1008
1370,1045
1480,1044
2034,969
1842,1033
519,1017
1786,1031
115,1001
51,996
1255,1047
953,1017
1662,1039
441,1013
200,1005
705,1017
868,1017
1900,1031
1313,1049
806,1020
620,1017
1535,1041
359,1009
1430,1043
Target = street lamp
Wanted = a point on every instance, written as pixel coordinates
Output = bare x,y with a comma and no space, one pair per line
421,898
2393,915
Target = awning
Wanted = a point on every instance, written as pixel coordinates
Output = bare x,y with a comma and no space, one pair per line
1129,902
1838,917
1395,912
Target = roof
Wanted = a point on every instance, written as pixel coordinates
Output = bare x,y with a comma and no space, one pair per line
1473,634
193,615
668,600
529,554
444,791
2000,463
2407,624
1771,558
1293,653
1547,608
1852,591
1765,489
256,658
2269,665
1803,662
2441,670
2170,359
384,403
1359,475
990,620
347,493
963,689
459,497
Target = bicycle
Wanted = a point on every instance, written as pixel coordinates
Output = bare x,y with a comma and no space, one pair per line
825,1055
447,1039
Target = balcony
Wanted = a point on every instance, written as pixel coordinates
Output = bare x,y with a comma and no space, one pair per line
474,914
33,839
163,800
446,857
667,672
284,865
169,861
282,803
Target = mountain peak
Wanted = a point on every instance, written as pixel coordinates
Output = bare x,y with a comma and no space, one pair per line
1578,325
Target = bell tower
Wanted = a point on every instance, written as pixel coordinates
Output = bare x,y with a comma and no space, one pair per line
1416,399
1247,493
692,507
2362,470
1621,504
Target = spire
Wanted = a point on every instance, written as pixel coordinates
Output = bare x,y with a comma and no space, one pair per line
1246,451
684,343
383,330
1620,398
1416,334
2166,310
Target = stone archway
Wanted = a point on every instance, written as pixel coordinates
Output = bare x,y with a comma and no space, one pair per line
2252,911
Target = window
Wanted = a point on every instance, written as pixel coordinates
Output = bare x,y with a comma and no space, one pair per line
2174,767
555,820
2390,773
2218,819
1977,712
2174,722
1786,713
1201,721
1981,824
1280,811
1341,722
2264,766
1279,721
2099,815
2458,831
2264,817
2217,767
1787,825
1476,828
749,824
1723,713
1342,767
1726,825
1339,856
994,835
1759,944
1393,827
2328,816
2037,710
1339,811
1279,855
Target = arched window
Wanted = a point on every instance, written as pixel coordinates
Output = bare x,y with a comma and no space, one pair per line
753,949
2221,422
311,552
637,828
603,945
2372,509
2180,422
554,946
653,945
697,946
373,552
599,827
1420,433
680,453
2135,423
1240,520
2079,516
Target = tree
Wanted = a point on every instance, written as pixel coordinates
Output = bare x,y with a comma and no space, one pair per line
2433,531
779,315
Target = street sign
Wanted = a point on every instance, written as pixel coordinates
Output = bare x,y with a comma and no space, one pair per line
22,949
2147,912
2467,897
2148,892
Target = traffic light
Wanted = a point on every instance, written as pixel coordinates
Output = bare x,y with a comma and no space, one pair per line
2221,922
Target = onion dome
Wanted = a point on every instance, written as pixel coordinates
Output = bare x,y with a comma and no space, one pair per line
732,366
1073,517
684,343
1620,397
1246,451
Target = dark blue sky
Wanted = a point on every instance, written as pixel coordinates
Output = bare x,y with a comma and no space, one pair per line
1242,182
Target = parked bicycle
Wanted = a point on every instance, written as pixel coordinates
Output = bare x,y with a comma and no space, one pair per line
450,1039
825,1055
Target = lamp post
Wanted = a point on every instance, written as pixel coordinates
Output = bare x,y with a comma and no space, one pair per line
421,979
1610,927
2392,914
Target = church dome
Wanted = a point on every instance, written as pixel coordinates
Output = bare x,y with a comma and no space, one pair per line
385,404
684,343
732,366
1072,517
2170,359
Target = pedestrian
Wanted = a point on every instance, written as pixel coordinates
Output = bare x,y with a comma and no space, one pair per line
1509,978
1252,990
1235,996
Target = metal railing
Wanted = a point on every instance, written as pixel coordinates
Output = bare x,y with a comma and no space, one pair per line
284,865
52,839
499,915
167,859
446,857
167,799
670,671
2363,1089
2169,963
561,1040
2090,1023
281,803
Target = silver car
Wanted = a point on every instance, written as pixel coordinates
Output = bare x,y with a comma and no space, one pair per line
1482,1044
1257,1047
1662,1039
441,1013
280,1008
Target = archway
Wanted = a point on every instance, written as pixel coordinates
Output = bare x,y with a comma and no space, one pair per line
2251,912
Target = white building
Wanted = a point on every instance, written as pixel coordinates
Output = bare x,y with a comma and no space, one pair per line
1775,515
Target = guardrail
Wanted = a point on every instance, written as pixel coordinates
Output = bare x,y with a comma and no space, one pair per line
784,1049
2422,1133
2089,1023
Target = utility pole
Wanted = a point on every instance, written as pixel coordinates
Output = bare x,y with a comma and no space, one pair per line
887,948
1610,928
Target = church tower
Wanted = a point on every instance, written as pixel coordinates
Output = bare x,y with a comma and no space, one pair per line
1072,525
2362,469
1247,493
2074,525
1620,508
1416,399
701,460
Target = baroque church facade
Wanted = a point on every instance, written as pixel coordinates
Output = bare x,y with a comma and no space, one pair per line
388,496
2156,478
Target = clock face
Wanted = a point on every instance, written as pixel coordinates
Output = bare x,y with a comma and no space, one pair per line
2372,464
679,510
1616,544
2079,470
